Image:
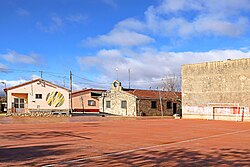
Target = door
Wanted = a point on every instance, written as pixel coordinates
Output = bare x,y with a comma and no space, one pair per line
174,108
19,105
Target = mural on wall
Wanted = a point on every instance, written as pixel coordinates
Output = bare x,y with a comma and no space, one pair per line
55,99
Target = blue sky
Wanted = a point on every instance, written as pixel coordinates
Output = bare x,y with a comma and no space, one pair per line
93,38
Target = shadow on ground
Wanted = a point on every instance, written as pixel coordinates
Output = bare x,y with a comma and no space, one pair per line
172,157
55,154
29,153
42,135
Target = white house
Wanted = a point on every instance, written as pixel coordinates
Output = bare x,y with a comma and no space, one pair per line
37,96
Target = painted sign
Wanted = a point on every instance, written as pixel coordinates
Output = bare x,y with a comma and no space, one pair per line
55,99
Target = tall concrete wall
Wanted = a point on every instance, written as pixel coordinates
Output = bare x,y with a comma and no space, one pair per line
216,82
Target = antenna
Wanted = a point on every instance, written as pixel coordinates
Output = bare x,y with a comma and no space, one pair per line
116,69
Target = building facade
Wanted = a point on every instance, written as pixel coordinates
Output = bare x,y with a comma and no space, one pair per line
86,100
37,96
136,102
217,90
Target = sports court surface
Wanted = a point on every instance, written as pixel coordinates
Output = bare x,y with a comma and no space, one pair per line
115,141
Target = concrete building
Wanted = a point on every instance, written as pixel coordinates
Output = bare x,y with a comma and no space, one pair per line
217,90
136,102
37,96
86,100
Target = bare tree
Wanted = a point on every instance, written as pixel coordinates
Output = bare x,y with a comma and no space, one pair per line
171,82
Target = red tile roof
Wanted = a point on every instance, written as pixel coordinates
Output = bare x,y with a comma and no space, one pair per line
154,94
85,91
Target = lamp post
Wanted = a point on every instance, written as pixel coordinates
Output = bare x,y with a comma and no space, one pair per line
6,95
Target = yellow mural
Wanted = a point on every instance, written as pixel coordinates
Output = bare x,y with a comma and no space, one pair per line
55,99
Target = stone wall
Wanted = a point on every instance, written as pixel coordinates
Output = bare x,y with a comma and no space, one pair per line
210,85
145,107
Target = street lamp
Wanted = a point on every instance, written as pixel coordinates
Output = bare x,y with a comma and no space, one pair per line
4,84
6,94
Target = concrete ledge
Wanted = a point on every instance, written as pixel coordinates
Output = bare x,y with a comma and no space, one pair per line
217,117
39,114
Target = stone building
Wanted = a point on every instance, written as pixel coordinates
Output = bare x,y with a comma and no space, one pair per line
217,90
136,102
86,100
37,96
3,104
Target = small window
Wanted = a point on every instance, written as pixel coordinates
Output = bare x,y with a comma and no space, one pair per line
15,100
39,96
21,105
123,104
153,104
108,104
16,105
21,100
91,103
169,105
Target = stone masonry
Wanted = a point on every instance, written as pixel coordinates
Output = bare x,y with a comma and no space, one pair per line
217,90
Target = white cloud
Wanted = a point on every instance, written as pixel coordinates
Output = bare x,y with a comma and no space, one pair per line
117,37
10,83
14,57
149,65
34,76
55,25
111,3
173,6
22,12
2,67
179,19
219,18
78,18
130,24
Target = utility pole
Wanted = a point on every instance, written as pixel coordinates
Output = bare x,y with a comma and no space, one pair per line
160,102
71,105
129,78
64,78
41,74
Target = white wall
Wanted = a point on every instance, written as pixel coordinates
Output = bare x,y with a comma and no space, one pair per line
38,88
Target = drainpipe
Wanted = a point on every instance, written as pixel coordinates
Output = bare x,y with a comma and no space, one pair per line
138,103
104,95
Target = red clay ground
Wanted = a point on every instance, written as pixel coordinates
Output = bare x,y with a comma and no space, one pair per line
107,141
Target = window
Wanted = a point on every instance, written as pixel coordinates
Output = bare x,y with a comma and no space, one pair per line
123,104
21,103
91,103
39,96
108,104
169,105
18,103
153,104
